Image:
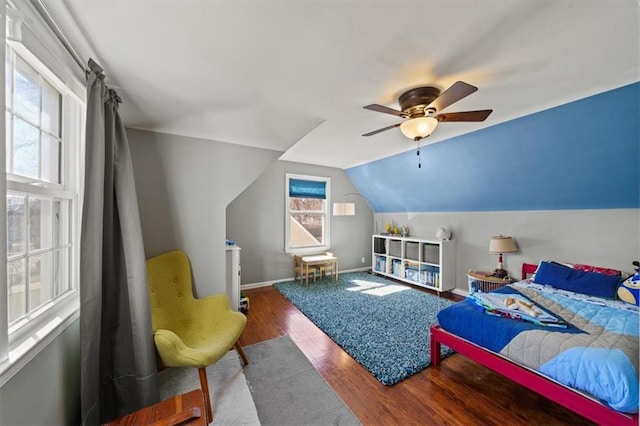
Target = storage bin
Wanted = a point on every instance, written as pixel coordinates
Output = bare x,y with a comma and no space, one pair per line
483,283
378,245
412,274
395,248
431,253
397,267
411,250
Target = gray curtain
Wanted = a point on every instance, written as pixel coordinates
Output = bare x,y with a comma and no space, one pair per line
118,367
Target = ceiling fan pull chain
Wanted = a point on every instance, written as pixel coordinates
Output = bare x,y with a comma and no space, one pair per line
418,152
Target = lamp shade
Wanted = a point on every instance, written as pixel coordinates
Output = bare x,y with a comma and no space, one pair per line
419,127
344,209
502,244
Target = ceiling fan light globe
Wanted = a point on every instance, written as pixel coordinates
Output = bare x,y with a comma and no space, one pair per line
419,127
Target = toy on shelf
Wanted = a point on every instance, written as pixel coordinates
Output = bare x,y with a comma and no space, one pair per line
391,229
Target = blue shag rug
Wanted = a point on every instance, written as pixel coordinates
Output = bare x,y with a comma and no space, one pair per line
382,324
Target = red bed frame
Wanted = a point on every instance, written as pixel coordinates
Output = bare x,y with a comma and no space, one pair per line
565,396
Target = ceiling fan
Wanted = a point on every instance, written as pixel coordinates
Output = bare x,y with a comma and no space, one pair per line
421,108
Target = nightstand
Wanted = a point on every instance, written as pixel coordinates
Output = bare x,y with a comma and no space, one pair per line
485,281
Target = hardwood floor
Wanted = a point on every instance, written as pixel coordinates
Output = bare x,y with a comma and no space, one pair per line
458,392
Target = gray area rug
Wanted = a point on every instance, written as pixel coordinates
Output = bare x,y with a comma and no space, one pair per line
288,391
230,396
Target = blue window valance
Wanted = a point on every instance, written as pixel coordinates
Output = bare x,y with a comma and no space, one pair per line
307,188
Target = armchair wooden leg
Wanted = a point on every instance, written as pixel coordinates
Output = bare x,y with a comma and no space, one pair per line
204,384
241,352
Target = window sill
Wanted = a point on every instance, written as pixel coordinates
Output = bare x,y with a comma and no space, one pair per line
307,250
33,342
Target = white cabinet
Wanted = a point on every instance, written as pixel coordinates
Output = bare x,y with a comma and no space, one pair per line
426,263
233,272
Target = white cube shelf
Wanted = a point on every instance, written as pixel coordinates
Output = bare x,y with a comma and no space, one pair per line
426,263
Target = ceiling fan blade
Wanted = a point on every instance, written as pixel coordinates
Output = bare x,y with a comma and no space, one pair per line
480,115
386,110
375,132
453,94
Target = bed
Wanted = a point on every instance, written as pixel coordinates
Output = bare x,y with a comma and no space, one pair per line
561,364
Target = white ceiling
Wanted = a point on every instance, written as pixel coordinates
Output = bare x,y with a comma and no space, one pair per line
293,76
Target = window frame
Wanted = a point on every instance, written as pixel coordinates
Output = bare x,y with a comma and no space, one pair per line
325,212
17,52
23,339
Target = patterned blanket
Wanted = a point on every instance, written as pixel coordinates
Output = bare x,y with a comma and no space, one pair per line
597,353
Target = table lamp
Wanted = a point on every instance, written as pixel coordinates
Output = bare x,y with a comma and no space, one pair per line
500,245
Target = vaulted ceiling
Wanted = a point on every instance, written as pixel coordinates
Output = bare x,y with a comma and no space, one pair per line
294,76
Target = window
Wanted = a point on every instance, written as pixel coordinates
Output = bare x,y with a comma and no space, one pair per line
33,132
44,127
307,217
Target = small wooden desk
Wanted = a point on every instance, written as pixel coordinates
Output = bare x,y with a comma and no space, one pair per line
185,409
313,261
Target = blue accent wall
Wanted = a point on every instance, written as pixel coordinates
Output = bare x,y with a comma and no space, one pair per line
581,155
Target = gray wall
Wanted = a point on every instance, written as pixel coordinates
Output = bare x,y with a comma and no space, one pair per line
47,390
184,186
607,237
256,220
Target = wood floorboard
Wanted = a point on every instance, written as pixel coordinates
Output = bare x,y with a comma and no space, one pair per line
458,392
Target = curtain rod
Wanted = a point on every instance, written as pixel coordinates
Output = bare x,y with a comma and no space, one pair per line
57,29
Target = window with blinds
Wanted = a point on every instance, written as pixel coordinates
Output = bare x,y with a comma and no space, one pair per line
306,211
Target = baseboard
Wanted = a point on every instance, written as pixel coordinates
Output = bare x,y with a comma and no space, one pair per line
460,292
272,282
365,269
262,284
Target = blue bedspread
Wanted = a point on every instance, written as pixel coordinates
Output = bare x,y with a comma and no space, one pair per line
597,353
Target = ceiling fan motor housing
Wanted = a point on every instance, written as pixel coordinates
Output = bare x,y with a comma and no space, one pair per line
413,102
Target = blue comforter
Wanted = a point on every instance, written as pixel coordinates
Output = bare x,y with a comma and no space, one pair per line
597,353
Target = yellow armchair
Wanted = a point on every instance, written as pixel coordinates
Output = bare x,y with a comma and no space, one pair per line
190,332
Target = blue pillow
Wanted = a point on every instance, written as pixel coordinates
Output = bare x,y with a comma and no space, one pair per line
565,278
